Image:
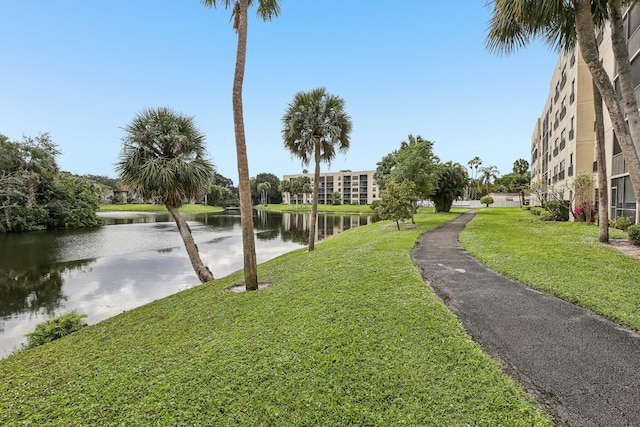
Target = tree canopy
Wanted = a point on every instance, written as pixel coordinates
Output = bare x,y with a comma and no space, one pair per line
36,195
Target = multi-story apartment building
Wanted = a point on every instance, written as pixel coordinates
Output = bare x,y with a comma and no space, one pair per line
355,188
563,140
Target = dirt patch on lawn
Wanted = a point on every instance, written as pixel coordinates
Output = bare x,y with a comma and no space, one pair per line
626,247
241,287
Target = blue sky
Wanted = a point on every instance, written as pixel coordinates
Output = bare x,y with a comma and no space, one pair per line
81,70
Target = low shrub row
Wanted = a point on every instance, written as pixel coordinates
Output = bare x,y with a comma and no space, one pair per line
634,234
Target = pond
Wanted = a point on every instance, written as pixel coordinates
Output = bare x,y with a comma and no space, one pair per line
132,260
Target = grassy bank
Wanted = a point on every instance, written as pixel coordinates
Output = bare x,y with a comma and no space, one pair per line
561,258
145,207
321,208
348,335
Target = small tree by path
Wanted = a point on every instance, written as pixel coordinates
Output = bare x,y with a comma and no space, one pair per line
395,201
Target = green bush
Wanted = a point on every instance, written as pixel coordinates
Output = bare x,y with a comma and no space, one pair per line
546,216
634,234
559,209
537,210
55,328
623,222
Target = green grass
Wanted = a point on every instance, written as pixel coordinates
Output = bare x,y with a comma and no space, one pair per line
561,258
348,335
366,209
145,207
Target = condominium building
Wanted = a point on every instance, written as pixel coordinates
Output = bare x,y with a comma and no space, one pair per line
563,140
355,188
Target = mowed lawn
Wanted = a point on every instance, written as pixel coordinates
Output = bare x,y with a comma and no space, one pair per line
348,335
561,258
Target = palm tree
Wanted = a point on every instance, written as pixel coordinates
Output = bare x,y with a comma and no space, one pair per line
474,164
563,24
452,179
263,189
488,176
267,9
163,158
314,124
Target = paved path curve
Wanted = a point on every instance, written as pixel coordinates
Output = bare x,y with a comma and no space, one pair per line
584,368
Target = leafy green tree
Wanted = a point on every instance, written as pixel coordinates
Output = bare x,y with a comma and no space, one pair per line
452,181
35,195
520,166
336,198
163,158
314,126
395,201
486,200
72,202
273,194
267,9
413,161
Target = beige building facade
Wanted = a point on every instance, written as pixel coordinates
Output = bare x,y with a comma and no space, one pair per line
355,188
563,140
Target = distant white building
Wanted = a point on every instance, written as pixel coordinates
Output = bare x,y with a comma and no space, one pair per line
355,188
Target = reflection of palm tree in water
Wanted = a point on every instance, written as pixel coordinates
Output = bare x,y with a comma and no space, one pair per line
36,289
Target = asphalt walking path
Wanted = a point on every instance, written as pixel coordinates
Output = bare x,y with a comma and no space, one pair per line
583,368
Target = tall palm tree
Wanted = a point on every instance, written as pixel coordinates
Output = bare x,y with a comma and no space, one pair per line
267,9
474,164
314,125
488,176
163,158
514,23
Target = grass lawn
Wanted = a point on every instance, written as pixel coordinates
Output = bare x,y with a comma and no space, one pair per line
145,207
561,258
348,335
366,209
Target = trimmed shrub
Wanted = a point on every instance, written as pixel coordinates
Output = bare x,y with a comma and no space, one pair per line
537,210
634,234
546,216
55,328
559,209
486,200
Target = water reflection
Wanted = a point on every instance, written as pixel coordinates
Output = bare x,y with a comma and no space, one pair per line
134,259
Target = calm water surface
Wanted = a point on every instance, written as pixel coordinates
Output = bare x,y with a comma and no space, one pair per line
134,259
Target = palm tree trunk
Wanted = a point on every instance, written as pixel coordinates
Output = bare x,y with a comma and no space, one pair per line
244,186
314,202
589,50
601,158
204,274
